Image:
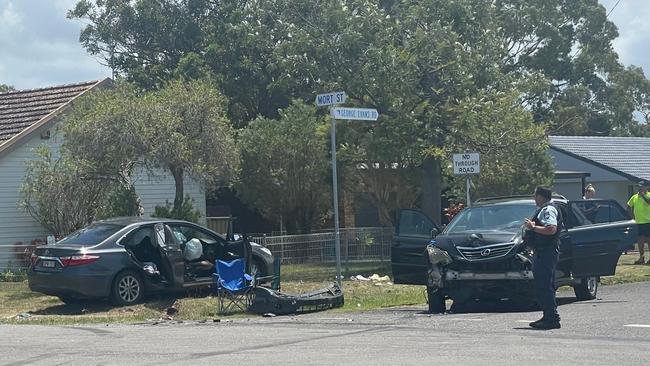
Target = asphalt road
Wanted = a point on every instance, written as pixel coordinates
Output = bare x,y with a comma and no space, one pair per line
612,330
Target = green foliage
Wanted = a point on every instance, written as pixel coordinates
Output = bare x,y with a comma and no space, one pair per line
121,201
513,148
180,128
6,88
11,274
187,211
285,167
421,64
58,194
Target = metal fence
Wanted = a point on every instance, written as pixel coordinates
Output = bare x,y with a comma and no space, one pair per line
15,257
356,244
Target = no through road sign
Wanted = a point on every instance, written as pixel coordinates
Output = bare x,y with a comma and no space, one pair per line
466,164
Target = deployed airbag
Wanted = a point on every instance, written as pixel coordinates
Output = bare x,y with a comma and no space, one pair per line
193,250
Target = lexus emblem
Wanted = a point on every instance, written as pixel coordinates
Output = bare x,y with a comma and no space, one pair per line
47,252
485,252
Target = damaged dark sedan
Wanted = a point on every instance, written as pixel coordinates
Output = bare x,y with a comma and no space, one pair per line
124,259
481,254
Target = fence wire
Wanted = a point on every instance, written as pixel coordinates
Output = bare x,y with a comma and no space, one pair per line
356,244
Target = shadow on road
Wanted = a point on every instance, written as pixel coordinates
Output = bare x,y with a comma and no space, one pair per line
504,306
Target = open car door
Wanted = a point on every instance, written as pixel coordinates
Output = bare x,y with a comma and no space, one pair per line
601,230
413,233
172,255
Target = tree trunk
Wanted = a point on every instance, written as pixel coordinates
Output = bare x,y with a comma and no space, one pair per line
431,189
177,173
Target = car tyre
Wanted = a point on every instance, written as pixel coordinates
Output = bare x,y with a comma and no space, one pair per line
128,289
436,301
587,289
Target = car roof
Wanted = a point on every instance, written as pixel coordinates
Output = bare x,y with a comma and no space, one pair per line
129,220
508,200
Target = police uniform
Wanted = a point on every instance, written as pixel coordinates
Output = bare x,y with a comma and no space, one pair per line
545,259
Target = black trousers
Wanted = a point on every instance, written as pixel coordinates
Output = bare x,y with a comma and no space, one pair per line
544,264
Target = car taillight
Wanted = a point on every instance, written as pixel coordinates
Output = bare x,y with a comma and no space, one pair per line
33,258
78,260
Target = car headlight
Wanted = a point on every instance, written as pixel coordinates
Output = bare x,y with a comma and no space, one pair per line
438,256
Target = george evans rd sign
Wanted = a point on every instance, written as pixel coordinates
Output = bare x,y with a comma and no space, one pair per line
466,164
362,114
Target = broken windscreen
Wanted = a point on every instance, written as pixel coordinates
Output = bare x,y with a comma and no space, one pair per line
499,217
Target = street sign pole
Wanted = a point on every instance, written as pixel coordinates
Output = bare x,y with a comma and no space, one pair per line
335,198
364,114
469,184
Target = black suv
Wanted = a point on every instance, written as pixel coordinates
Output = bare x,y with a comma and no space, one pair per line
480,255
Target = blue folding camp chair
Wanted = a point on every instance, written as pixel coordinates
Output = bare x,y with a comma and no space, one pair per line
233,285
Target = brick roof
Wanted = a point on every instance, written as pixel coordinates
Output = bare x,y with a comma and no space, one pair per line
22,109
626,156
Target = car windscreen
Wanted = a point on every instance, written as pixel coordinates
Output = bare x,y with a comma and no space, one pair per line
501,217
91,235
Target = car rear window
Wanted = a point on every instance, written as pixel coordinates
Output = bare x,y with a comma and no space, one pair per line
91,235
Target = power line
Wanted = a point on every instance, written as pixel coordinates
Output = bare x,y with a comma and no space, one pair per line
612,9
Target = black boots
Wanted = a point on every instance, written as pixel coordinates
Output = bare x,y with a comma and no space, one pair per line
545,323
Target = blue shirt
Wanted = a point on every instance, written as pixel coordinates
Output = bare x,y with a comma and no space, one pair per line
547,216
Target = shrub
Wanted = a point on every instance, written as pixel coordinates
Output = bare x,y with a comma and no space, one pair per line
187,211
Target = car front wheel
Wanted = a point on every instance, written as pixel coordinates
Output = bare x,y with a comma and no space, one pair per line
587,289
436,301
128,289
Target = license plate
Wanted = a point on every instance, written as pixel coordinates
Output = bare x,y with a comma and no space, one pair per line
48,264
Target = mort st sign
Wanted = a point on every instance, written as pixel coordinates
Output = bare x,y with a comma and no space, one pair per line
327,99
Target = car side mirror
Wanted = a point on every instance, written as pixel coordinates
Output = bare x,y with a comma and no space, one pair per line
435,232
159,229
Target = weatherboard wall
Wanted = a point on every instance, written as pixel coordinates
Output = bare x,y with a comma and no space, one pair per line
18,227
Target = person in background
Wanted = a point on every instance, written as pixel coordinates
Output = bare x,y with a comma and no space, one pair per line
590,209
590,192
639,207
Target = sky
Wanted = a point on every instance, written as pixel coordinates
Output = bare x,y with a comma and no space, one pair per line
40,47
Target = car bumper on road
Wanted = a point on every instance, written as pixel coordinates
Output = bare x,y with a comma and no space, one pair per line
61,284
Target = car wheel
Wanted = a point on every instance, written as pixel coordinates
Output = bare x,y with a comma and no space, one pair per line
587,289
436,301
128,289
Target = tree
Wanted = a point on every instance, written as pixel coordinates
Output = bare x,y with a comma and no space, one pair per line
181,128
285,167
57,193
6,88
413,61
512,147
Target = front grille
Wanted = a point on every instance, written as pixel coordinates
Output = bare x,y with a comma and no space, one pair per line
486,252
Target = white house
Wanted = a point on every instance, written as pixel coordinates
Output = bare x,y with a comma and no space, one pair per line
614,165
28,120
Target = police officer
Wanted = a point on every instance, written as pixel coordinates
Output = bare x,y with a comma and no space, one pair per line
543,235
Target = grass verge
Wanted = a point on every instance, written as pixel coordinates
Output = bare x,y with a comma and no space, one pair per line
16,301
